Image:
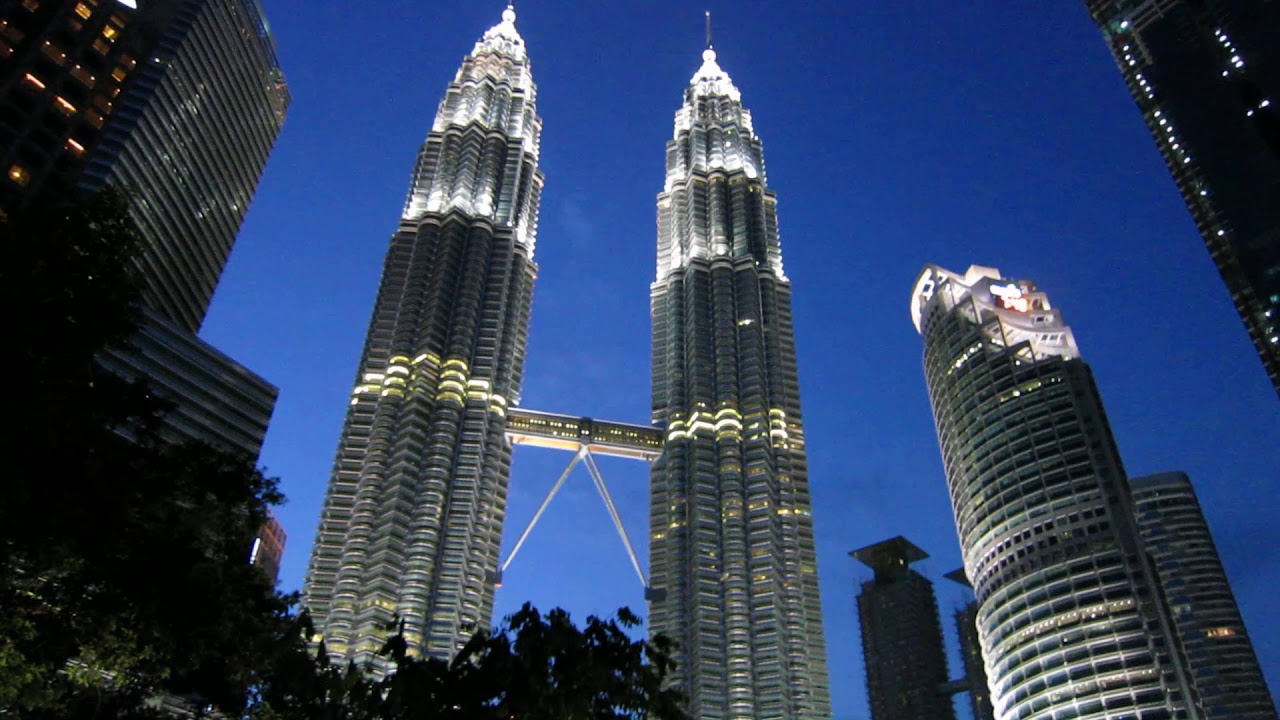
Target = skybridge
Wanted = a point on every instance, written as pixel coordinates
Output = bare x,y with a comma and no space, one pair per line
585,438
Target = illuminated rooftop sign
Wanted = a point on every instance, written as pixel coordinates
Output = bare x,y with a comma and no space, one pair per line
1011,297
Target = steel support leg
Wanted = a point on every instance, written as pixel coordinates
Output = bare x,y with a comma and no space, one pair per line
613,513
545,502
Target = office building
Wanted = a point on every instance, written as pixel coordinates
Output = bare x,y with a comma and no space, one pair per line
902,647
1224,669
975,673
733,573
180,102
1069,612
268,548
1206,76
412,520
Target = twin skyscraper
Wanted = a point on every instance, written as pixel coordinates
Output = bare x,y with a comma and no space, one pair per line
413,518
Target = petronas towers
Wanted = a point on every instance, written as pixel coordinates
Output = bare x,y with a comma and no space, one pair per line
413,518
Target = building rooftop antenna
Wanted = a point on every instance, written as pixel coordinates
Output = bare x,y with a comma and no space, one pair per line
709,45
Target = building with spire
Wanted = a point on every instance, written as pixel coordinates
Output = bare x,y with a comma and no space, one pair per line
902,646
412,520
1206,76
733,572
1070,615
1224,668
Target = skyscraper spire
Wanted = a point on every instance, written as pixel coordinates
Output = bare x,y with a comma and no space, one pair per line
413,516
710,46
733,572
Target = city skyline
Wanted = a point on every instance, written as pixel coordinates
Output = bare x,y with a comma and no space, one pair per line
321,226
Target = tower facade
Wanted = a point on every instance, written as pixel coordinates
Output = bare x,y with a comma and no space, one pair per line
902,646
180,101
412,520
1224,669
1206,76
733,571
1069,612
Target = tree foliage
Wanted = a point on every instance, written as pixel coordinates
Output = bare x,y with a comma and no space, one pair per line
534,667
123,558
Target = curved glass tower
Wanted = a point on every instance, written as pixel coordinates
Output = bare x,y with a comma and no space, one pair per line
1224,668
413,516
732,564
1069,613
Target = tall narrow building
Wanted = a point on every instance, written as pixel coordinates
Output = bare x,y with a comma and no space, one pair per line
1206,76
733,572
902,646
1224,669
1070,616
413,517
975,671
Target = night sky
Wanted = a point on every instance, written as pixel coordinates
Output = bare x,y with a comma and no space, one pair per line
896,134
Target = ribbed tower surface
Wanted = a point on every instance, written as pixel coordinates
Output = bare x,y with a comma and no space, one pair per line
733,570
412,521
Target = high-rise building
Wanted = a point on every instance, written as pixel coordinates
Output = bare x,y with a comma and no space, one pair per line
190,139
733,571
268,548
1224,669
902,645
975,673
1206,76
1069,612
180,102
412,520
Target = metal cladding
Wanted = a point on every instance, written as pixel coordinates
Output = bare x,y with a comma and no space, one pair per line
1206,76
413,517
1069,615
1206,619
733,572
214,76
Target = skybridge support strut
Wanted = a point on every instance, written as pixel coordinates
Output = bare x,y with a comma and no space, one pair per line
613,513
577,457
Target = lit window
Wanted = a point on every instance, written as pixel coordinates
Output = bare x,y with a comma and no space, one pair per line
84,77
83,10
52,52
110,32
19,174
119,74
65,106
33,81
31,4
75,147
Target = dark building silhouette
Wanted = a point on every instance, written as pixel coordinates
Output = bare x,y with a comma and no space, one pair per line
180,102
975,674
1206,76
902,643
1224,669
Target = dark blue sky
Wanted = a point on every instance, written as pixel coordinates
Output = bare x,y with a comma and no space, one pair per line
896,134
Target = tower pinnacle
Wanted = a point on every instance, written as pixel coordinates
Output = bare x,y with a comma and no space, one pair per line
509,15
709,45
